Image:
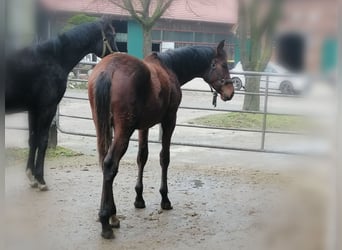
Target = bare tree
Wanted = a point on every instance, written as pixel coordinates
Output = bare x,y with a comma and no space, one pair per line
146,13
256,26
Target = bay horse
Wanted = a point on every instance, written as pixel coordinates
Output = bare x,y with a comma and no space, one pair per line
36,80
126,93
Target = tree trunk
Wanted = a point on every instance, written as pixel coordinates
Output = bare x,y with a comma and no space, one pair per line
147,45
256,37
252,102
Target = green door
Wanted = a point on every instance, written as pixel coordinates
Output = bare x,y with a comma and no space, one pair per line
329,54
134,39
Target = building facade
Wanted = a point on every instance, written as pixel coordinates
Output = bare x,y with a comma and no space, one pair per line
306,37
314,22
184,23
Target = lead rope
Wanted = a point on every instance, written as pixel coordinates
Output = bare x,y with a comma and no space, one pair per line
214,102
214,98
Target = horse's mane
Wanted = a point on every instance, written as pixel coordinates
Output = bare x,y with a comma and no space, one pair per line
79,34
192,59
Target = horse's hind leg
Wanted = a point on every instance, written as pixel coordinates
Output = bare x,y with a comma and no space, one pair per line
168,126
33,144
110,169
44,121
141,161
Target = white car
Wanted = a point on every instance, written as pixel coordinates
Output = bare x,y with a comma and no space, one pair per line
292,84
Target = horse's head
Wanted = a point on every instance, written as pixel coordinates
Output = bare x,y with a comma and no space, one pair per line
218,75
107,43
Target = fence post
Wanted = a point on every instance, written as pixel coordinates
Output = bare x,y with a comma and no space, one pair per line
53,134
160,134
336,218
53,137
264,120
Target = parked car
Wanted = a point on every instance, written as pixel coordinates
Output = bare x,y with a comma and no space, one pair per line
292,84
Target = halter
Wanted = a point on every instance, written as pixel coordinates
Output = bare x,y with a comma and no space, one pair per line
212,69
105,45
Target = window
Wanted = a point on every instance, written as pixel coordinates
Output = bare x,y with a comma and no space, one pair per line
220,37
177,36
156,35
204,37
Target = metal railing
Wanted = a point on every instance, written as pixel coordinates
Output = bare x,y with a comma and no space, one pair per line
264,112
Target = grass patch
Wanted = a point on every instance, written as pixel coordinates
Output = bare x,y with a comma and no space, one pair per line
253,121
77,85
22,153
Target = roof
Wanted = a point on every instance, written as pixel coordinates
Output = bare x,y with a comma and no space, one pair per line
216,11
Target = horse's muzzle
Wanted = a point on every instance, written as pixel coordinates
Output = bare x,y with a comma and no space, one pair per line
227,98
227,90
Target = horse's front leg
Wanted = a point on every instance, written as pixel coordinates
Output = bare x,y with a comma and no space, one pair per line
168,126
110,170
141,161
33,143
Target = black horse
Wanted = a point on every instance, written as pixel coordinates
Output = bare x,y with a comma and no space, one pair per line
37,79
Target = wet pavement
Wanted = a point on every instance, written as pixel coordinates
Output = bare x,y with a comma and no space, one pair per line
222,199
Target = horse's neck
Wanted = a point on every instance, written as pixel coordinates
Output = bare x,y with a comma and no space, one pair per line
73,51
187,66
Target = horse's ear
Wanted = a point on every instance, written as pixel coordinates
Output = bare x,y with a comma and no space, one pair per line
107,22
220,50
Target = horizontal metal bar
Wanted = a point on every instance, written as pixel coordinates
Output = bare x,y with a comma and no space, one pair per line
274,94
76,80
211,109
76,98
237,92
88,63
200,145
242,92
236,148
255,73
74,133
16,128
209,127
239,111
242,129
179,125
76,117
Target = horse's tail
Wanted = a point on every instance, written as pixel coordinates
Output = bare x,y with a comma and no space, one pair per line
103,114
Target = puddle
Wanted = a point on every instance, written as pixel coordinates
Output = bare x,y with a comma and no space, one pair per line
197,183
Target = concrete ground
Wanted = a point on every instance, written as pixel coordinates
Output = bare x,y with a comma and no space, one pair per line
222,199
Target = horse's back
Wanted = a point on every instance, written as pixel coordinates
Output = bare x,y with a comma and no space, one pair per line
142,89
128,74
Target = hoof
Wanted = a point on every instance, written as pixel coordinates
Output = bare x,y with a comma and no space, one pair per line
166,206
42,187
139,204
30,175
108,234
114,222
33,184
32,179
